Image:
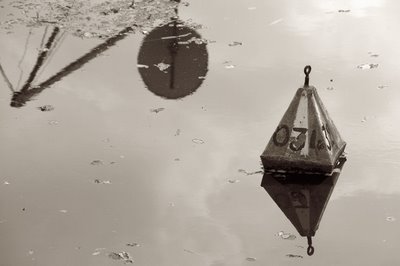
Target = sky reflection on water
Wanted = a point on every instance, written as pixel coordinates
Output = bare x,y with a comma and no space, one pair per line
171,194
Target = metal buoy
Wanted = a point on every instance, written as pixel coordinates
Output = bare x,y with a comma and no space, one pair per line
306,138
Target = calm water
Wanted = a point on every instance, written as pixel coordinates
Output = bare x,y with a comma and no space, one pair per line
114,163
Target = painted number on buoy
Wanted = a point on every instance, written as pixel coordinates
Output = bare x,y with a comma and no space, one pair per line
282,136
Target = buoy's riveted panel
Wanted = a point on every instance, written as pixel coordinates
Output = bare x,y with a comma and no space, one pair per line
306,138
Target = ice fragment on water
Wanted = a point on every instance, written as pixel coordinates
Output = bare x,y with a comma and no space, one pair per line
252,259
232,181
63,211
6,183
229,66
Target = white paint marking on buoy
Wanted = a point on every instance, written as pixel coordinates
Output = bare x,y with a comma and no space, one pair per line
326,136
301,121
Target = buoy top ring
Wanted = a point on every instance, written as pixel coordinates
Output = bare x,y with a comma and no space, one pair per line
307,70
310,250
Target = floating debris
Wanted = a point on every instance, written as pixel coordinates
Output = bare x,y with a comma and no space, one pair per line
189,251
133,244
252,259
201,77
229,66
178,132
235,44
142,66
97,251
63,211
364,119
294,256
97,162
233,181
390,219
124,256
198,141
276,21
31,252
367,66
195,40
344,10
162,66
46,108
53,122
380,87
177,159
157,110
6,183
374,55
286,236
105,182
250,173
330,88
252,8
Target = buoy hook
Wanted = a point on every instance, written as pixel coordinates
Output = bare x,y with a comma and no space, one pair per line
310,249
307,71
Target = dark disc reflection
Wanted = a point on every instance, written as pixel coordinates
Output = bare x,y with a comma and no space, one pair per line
173,60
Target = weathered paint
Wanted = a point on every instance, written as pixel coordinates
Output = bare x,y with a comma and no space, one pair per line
306,138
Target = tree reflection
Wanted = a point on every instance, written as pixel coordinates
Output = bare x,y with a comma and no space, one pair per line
29,91
175,58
